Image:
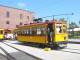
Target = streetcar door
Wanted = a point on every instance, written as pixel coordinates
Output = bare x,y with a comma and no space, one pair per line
50,33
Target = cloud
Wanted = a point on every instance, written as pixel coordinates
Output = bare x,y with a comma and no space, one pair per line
21,5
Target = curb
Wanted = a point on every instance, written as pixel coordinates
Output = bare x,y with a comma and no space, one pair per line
74,42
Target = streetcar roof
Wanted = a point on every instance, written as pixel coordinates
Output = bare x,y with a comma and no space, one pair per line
42,23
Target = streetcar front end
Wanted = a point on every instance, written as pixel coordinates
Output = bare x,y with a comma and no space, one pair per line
61,35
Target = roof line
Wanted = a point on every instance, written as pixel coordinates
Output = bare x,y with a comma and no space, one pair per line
16,8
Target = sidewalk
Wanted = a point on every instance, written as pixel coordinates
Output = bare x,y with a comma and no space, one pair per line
76,41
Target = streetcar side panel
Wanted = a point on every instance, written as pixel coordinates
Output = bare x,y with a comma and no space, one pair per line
33,34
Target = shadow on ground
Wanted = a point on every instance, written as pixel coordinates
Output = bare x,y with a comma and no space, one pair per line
31,45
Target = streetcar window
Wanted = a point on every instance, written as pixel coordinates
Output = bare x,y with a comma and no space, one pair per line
59,29
38,31
64,28
41,31
27,32
1,32
33,31
30,32
19,32
22,32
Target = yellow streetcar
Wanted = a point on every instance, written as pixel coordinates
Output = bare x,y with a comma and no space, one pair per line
50,34
1,34
8,34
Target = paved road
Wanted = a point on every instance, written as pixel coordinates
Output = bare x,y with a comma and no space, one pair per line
72,52
76,41
2,57
13,54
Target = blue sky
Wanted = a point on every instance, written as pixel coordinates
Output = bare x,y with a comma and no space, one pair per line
44,8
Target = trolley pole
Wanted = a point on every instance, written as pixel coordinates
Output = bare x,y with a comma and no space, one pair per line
66,14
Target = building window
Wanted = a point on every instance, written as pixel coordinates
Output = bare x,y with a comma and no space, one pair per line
17,26
7,14
7,22
21,16
20,23
28,17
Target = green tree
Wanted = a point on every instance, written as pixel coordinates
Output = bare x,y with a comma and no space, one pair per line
79,22
73,25
38,20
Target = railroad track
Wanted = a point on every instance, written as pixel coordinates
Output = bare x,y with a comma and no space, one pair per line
11,57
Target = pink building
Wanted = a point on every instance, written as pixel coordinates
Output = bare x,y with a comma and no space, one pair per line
11,17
